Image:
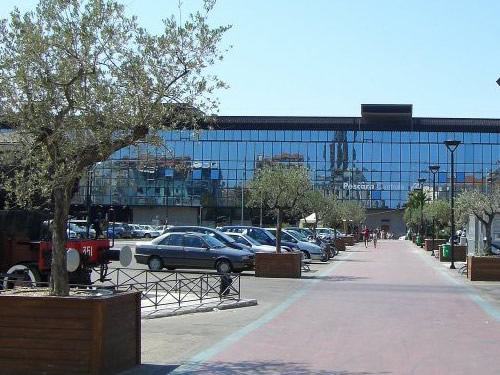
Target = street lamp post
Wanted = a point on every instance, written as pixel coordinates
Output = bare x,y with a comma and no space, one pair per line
421,183
452,145
434,169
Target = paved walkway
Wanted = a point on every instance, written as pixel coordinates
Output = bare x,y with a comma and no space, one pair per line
390,310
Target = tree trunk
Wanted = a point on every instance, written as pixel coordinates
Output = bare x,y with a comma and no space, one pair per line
59,275
278,230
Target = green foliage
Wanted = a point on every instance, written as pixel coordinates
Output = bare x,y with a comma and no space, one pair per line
279,187
439,210
353,211
79,80
484,206
412,214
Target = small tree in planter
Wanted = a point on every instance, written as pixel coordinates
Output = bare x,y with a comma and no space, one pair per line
484,206
353,211
280,188
313,203
79,81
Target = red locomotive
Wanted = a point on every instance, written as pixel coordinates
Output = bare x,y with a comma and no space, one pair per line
26,251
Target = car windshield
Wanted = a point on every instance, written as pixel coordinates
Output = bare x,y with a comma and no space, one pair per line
297,235
213,242
251,240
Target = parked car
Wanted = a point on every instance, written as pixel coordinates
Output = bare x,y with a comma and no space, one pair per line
145,231
192,250
329,233
310,250
261,235
222,237
250,242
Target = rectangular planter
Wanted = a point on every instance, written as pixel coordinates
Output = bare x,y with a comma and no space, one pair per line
339,244
288,265
459,254
483,268
437,242
349,240
69,335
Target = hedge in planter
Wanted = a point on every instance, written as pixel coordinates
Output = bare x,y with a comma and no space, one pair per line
69,335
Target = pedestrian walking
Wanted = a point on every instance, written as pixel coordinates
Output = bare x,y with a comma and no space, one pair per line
375,237
366,236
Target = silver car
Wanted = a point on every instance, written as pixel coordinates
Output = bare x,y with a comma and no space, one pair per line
310,250
192,250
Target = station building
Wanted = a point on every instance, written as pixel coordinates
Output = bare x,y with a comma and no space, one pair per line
376,159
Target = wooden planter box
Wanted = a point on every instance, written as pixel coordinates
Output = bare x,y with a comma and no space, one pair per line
437,242
459,254
483,268
278,265
349,240
70,335
339,244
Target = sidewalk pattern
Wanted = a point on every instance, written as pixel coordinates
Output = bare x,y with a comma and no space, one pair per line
389,310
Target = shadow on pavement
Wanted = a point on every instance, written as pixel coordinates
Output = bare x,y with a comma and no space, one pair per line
263,368
149,369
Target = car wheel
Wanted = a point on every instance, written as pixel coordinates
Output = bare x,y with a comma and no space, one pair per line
325,257
147,235
306,254
155,263
223,266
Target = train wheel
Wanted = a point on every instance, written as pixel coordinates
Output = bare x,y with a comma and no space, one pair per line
21,275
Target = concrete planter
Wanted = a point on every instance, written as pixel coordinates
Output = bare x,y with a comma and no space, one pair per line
437,242
483,268
459,254
286,265
339,244
70,335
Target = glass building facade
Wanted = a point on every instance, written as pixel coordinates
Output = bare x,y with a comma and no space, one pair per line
375,159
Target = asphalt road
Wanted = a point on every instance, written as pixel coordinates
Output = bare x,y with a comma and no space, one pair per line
390,310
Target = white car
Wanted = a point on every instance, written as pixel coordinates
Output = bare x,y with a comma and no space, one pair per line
146,231
250,242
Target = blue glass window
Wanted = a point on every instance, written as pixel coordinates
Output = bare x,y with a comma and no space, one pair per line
376,195
169,172
197,174
214,174
460,177
442,177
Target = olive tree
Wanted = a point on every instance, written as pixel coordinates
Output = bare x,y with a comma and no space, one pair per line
353,211
80,80
439,212
484,206
280,188
316,203
414,205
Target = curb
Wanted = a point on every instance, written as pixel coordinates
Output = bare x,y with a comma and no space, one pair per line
224,305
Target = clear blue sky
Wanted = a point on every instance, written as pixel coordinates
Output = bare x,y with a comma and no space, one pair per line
327,57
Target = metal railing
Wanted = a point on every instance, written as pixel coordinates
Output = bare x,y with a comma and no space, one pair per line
159,289
173,288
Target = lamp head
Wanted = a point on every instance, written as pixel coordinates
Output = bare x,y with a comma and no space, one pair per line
451,144
434,168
